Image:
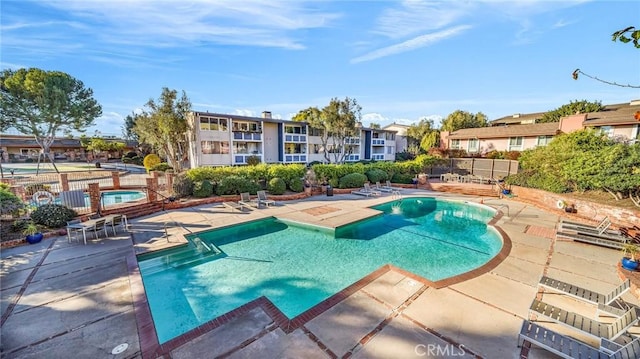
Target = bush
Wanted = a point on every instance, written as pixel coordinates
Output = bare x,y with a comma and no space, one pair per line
133,160
276,186
253,160
151,160
236,185
296,185
352,180
53,215
130,154
161,167
377,175
402,178
203,189
182,186
9,202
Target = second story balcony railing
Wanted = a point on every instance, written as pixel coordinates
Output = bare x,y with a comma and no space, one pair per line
377,142
377,157
241,158
295,157
352,141
247,136
295,138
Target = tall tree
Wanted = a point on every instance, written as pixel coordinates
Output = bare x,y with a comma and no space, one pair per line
462,119
337,124
423,134
129,124
163,125
572,108
41,103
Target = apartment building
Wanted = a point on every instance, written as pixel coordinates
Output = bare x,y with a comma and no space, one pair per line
223,140
521,131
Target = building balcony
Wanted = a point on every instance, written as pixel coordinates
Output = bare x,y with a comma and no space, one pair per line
295,157
352,141
377,142
377,156
352,158
247,136
295,138
241,158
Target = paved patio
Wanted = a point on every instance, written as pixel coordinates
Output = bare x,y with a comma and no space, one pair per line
64,299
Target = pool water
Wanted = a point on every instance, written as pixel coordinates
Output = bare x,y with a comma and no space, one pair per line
297,267
110,198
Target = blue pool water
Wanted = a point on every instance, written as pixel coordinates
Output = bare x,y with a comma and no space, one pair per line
111,197
297,267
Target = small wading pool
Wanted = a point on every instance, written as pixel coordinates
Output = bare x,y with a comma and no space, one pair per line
108,198
298,266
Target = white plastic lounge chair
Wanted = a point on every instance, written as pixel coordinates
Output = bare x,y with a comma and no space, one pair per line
382,188
569,348
366,191
262,198
584,294
245,200
601,228
586,325
614,240
235,206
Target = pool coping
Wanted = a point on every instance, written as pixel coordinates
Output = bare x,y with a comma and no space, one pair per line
150,347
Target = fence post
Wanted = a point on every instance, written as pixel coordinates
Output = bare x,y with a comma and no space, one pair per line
152,186
169,176
115,176
64,181
493,163
94,196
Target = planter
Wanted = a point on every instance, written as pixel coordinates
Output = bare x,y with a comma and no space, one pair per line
629,264
34,238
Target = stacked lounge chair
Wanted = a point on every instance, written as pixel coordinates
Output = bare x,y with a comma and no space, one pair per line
599,235
582,293
366,191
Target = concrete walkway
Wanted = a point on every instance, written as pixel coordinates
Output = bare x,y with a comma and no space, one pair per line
64,299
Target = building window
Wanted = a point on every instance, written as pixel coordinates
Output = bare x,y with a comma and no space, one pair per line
316,148
473,145
246,127
544,140
390,136
515,143
293,148
455,144
607,130
214,147
213,124
295,129
390,150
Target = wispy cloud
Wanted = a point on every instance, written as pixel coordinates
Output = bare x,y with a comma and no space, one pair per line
412,44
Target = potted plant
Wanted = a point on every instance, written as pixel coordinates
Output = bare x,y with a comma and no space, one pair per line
33,233
629,252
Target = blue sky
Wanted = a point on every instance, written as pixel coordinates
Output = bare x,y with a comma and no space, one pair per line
401,60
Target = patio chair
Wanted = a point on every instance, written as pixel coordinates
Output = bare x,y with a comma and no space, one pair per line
99,225
586,325
388,185
569,348
601,228
366,191
262,198
73,227
610,240
118,220
584,294
382,188
245,200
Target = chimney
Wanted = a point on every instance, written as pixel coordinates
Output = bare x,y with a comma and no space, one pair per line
516,115
266,114
634,103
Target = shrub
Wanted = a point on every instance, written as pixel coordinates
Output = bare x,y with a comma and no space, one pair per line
53,215
376,175
202,189
276,186
253,160
352,180
151,160
182,186
29,190
161,167
133,160
402,178
236,185
296,185
9,202
130,154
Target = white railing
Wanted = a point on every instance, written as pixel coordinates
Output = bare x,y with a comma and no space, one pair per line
377,142
378,157
295,138
239,158
295,158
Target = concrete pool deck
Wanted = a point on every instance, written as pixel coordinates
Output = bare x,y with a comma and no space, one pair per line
64,299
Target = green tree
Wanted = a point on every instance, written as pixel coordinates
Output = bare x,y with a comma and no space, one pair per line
41,103
630,34
375,126
336,123
462,119
129,124
571,108
423,134
163,125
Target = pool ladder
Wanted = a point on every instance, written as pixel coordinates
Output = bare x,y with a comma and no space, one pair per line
503,206
396,195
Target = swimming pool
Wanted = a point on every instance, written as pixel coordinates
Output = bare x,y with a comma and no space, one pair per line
108,198
297,266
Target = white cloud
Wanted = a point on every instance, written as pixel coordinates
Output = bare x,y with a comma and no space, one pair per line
369,118
244,112
415,43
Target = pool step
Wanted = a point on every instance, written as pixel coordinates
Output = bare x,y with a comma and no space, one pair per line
196,252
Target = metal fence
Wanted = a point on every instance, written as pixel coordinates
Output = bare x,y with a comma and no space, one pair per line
492,168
